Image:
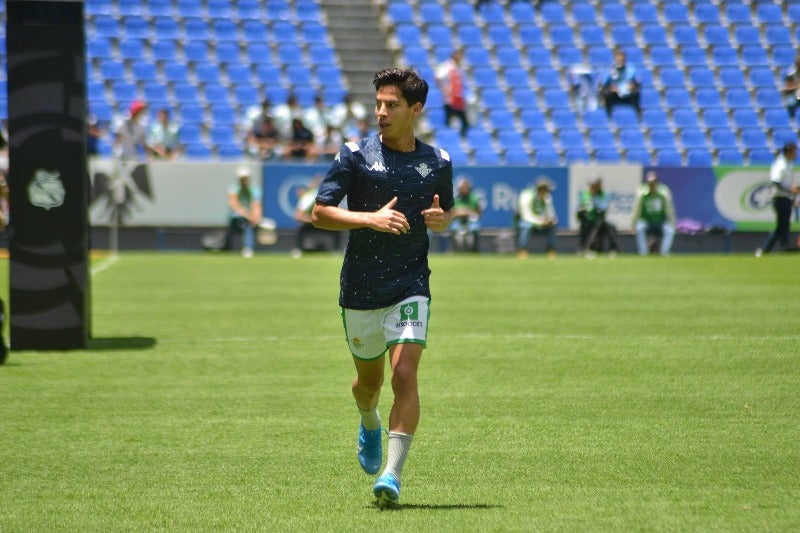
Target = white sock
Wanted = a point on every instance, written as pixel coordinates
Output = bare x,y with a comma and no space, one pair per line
399,444
370,419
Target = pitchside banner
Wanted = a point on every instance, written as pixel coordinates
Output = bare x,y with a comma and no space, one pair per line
48,233
184,193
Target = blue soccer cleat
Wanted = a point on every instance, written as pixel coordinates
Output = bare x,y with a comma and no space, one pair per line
370,451
387,491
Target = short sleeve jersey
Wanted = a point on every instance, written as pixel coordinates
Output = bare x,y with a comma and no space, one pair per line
382,269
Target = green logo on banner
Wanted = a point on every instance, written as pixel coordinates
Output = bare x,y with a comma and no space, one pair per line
410,311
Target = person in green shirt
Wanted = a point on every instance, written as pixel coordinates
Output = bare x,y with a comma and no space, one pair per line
466,224
594,227
654,214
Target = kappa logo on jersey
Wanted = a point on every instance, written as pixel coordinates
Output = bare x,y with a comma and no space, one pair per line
377,166
423,170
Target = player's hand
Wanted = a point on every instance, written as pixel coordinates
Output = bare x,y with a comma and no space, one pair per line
387,220
435,217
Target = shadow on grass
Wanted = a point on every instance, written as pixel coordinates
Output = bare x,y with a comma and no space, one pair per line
438,507
121,343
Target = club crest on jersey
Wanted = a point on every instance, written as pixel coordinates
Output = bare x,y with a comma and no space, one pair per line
423,169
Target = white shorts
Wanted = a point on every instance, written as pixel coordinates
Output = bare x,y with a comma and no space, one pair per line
370,333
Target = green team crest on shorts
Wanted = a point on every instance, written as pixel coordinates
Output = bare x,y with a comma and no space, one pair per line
409,311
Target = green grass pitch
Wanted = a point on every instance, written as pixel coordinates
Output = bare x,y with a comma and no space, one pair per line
634,394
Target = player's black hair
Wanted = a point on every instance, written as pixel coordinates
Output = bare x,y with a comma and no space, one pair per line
413,88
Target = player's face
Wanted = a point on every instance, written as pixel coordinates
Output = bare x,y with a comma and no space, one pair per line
395,117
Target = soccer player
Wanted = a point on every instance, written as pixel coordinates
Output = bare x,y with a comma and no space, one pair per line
397,188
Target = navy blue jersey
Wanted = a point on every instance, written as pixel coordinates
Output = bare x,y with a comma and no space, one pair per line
381,269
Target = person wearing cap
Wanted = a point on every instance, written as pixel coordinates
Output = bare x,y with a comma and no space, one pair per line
244,203
537,213
654,214
594,226
130,142
785,190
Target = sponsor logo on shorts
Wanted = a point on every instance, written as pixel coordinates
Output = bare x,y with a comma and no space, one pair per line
409,315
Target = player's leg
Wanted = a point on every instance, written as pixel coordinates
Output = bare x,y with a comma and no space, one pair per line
364,330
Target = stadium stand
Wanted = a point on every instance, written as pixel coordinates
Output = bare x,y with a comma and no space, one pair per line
711,71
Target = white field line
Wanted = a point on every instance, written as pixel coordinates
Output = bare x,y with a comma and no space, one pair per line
105,264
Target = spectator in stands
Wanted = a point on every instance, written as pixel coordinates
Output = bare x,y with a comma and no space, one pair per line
595,229
301,143
451,80
621,85
791,87
346,114
362,130
330,142
536,212
244,204
285,113
130,142
583,87
315,117
466,221
263,140
164,138
785,189
654,215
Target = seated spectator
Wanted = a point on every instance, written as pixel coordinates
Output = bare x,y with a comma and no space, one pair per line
346,113
301,144
164,137
583,88
621,85
361,130
466,221
285,113
595,229
330,143
654,215
791,87
537,213
263,140
315,117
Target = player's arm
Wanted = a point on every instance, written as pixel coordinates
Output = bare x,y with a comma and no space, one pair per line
335,218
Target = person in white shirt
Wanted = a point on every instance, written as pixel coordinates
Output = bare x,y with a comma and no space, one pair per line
451,80
537,213
785,191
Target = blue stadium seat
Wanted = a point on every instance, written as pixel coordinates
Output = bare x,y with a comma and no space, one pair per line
532,119
768,13
197,150
493,98
724,56
661,138
541,140
547,157
164,50
737,13
778,35
408,34
491,13
96,48
530,36
562,34
501,119
539,57
776,118
477,136
645,13
738,98
220,9
760,156
440,34
638,155
196,29
699,157
223,114
106,26
143,71
592,34
584,13
166,28
654,34
622,35
767,97
462,13
508,56
486,156
747,35
692,138
215,94
570,138
522,12
225,30
672,77
600,138
694,56
254,31
400,12
111,69
298,75
552,13
607,155
246,96
731,77
176,72
676,13
289,54
705,14
569,55
510,139
518,157
477,56
714,117
793,12
754,139
314,32
563,119
708,97
577,154
685,35
685,118
745,118
662,56
754,55
631,138
500,35
196,52
668,157
600,56
431,13
624,116
485,77
555,98
470,35
701,76
614,13
715,34
124,92
191,132
676,97
595,119
730,156
284,31
723,138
